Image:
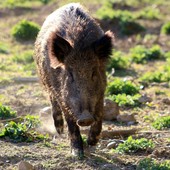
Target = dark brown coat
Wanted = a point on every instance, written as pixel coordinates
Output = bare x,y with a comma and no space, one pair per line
71,52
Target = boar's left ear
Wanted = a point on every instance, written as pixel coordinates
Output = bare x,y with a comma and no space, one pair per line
58,49
103,46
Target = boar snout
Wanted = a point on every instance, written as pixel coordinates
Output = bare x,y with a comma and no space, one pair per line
85,119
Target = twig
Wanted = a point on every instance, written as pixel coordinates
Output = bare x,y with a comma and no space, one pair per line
25,79
121,132
158,131
12,119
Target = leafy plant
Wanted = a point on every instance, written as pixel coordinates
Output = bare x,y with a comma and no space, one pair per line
162,123
123,92
165,29
150,164
126,100
119,86
148,13
25,30
124,18
6,112
157,76
118,61
134,145
140,54
106,12
22,131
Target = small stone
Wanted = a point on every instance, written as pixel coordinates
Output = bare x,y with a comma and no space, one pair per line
131,123
45,111
126,118
114,143
109,166
111,145
144,99
111,110
166,101
23,165
166,85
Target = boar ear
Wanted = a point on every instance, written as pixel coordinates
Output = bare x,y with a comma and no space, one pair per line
58,49
103,46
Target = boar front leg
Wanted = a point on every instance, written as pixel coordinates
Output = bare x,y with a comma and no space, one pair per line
96,127
57,116
94,132
75,137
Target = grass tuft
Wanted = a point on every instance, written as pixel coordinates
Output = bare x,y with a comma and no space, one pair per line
6,112
118,61
151,164
22,131
162,123
134,145
165,29
25,30
142,55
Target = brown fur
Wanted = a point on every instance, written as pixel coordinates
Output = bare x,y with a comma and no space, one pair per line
71,52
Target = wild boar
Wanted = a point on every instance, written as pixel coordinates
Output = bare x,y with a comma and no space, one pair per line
71,52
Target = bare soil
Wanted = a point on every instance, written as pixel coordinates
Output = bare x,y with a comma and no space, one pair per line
29,98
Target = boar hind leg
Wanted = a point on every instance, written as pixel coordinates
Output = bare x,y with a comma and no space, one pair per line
75,137
57,116
94,133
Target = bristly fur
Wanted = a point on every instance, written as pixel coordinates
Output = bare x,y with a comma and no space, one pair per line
103,46
58,48
71,51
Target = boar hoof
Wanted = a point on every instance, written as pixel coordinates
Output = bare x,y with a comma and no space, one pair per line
85,119
77,153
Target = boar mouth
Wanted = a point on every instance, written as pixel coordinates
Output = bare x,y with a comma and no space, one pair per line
85,119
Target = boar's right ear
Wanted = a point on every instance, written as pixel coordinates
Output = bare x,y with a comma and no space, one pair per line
103,46
58,49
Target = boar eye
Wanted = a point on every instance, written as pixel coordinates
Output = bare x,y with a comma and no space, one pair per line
94,75
71,76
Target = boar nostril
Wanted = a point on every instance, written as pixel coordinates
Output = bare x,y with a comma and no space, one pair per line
85,119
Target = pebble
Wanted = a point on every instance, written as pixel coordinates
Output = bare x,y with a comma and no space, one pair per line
111,110
23,165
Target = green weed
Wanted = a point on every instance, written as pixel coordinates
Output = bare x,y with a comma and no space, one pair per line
25,30
151,164
140,54
125,100
165,29
107,13
6,112
162,123
23,131
148,13
125,20
123,92
118,61
134,145
119,86
157,76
